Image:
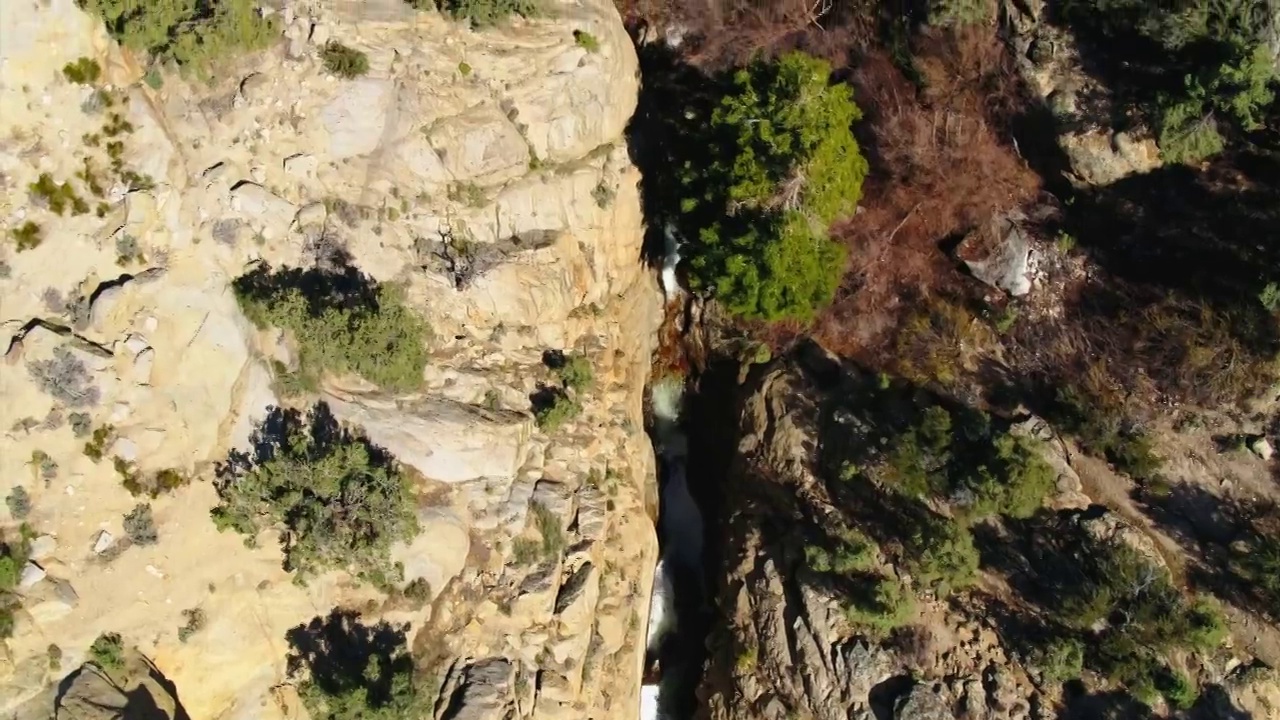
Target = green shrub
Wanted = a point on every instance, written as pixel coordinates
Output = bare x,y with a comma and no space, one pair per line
1145,619
192,34
485,13
84,71
343,324
107,652
195,620
340,501
954,13
553,538
852,552
941,554
343,61
554,408
784,166
1099,423
19,502
1060,660
1187,132
360,673
27,236
916,461
59,197
1221,50
140,526
889,607
586,41
1178,689
96,447
13,557
576,373
1016,481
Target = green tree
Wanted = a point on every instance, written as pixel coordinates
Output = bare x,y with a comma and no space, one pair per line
942,554
340,501
342,322
191,33
785,167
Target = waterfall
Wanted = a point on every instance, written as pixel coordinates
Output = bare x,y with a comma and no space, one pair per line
679,572
670,259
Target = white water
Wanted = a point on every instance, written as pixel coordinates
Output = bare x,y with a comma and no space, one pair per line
670,260
681,527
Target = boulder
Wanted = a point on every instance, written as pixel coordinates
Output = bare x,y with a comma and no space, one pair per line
1001,256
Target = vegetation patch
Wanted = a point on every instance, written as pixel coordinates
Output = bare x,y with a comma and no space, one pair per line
552,408
13,558
782,166
84,71
65,378
27,236
140,525
586,41
345,62
358,672
194,35
342,322
339,501
1144,619
107,652
484,13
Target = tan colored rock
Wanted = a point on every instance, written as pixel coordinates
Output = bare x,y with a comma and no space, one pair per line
249,169
445,441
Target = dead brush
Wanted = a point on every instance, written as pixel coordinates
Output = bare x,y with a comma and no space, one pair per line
940,167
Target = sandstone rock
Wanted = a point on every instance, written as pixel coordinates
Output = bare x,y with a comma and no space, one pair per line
480,146
301,139
90,694
43,547
355,118
439,552
443,440
31,574
256,203
103,541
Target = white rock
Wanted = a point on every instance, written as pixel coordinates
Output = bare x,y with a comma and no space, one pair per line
120,412
356,117
125,449
142,366
43,546
150,324
301,165
31,574
104,541
319,34
313,214
155,571
1262,448
135,344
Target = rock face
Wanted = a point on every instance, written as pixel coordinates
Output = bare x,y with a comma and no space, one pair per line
138,692
1050,63
508,143
786,649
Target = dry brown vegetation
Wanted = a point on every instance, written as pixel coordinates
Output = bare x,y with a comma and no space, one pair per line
719,34
942,166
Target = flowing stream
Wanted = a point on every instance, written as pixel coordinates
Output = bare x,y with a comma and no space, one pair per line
679,608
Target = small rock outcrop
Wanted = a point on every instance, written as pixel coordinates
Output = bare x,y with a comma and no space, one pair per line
1050,63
